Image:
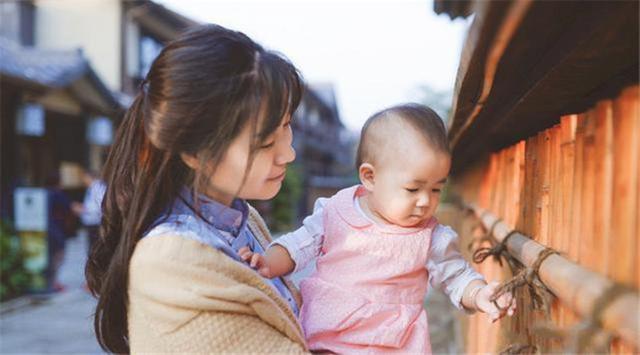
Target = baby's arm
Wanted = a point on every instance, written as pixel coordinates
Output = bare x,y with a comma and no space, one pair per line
465,287
477,296
292,251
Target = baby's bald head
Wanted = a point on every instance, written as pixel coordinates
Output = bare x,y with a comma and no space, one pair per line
395,130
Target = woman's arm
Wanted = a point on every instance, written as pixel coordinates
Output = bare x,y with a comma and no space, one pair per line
185,296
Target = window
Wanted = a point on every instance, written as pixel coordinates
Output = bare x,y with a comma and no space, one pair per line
149,50
100,131
30,120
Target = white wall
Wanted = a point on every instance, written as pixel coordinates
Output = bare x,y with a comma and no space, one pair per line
93,25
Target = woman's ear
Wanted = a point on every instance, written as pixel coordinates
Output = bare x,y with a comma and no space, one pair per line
191,161
366,173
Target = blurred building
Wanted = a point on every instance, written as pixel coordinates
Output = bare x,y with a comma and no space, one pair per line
325,147
67,72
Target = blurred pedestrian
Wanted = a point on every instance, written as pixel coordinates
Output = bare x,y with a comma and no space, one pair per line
90,210
60,227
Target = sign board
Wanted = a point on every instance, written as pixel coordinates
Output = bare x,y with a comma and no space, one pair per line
31,209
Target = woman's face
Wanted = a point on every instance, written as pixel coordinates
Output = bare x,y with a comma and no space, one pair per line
265,175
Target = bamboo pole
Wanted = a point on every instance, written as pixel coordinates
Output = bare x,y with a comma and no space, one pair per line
574,285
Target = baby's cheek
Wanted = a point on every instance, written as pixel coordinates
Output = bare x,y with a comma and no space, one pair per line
395,209
431,210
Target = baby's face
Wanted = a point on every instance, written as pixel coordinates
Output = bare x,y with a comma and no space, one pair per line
407,188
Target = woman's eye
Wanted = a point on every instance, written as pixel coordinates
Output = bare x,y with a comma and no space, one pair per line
268,145
411,190
287,124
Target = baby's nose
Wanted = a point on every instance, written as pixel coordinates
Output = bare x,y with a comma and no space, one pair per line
423,201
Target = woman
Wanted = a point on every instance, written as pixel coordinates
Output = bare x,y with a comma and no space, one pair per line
208,130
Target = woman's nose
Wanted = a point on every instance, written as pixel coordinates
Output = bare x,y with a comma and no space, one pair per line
286,155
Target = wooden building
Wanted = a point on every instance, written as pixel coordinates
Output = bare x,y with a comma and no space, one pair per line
545,133
68,70
325,147
145,27
73,44
55,115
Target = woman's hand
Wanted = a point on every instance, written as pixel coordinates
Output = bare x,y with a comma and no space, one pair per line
505,304
256,261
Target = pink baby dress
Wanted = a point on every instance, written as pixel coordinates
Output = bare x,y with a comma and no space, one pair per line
367,293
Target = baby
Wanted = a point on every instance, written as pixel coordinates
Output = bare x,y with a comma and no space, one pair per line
377,245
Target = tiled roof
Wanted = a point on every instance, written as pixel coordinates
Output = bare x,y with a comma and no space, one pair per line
52,68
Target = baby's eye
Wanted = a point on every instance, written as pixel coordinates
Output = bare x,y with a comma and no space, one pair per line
437,191
411,190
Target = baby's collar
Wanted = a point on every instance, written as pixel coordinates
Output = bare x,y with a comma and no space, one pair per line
348,212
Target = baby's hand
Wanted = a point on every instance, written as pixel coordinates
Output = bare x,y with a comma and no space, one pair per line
505,304
256,261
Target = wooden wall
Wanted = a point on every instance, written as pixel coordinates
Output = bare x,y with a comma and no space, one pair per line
573,187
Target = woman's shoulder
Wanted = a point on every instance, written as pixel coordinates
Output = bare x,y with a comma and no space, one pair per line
166,245
189,227
177,225
183,263
258,226
177,253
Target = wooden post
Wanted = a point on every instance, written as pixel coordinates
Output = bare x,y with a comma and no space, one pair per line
604,181
587,252
626,130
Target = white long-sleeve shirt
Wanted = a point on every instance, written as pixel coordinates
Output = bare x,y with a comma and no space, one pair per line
447,269
92,213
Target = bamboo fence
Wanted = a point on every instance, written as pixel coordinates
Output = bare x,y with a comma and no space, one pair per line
574,187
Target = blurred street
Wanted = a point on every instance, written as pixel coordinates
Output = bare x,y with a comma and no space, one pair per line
62,324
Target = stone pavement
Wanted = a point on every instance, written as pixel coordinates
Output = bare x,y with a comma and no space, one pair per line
62,324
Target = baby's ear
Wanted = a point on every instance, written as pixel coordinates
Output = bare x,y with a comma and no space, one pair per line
366,173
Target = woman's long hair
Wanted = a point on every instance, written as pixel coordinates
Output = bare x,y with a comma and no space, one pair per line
200,92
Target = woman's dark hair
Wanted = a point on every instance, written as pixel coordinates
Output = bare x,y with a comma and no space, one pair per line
425,120
200,92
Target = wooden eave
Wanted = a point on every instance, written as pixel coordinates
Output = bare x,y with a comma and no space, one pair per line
525,63
159,21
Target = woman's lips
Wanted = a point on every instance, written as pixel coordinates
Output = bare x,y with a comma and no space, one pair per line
278,177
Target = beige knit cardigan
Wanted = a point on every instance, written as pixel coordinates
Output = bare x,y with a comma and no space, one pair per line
187,297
